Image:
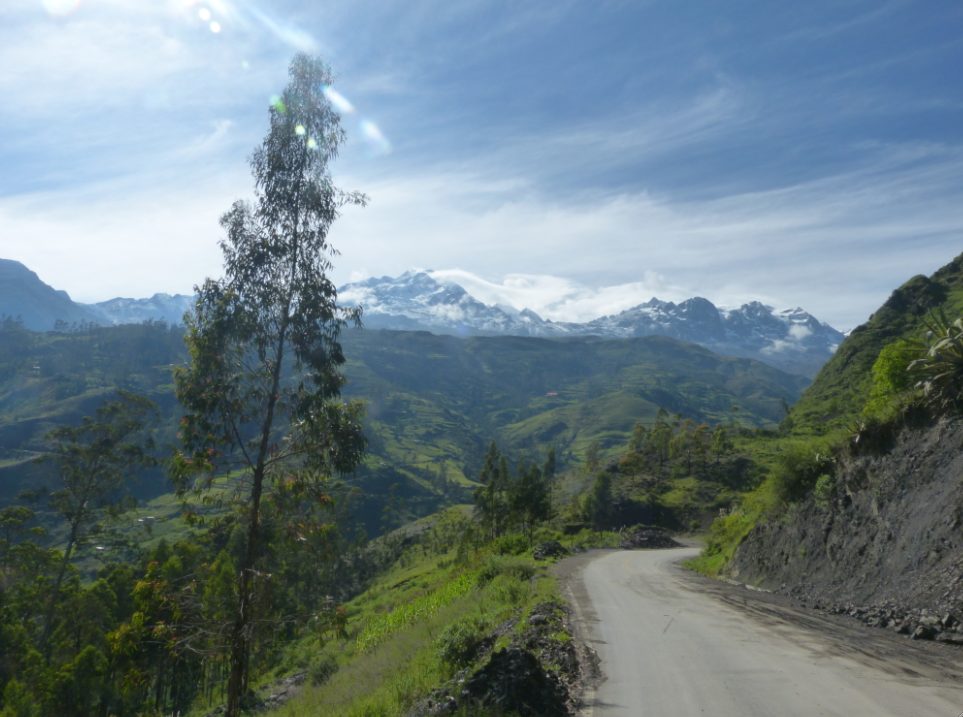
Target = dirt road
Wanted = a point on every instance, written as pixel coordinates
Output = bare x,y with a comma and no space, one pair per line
673,644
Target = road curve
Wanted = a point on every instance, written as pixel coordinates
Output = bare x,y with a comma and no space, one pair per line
670,646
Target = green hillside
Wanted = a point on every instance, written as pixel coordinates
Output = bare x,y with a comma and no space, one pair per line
433,402
530,393
839,392
830,417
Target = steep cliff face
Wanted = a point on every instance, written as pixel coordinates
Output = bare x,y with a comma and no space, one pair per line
882,541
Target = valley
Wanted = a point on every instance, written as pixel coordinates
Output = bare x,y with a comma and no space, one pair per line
830,505
650,430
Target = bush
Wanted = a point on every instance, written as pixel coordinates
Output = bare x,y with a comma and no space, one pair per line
824,489
517,568
321,669
798,468
510,544
509,590
892,382
460,642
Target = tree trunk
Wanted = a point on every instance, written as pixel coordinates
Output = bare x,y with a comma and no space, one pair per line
240,633
55,593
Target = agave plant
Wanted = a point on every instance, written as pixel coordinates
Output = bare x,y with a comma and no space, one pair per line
941,366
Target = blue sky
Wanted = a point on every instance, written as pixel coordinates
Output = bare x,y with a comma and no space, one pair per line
801,153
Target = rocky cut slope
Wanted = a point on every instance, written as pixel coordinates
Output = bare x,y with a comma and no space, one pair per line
878,531
882,540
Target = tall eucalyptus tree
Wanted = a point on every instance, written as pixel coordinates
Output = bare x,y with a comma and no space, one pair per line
262,389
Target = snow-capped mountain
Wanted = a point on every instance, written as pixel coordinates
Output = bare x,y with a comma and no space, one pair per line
417,301
790,339
159,307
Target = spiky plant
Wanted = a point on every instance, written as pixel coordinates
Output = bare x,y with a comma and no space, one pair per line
941,367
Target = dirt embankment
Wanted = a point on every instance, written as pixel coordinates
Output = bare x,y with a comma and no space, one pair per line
885,545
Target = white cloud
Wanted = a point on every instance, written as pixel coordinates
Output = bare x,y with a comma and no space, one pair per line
835,246
154,106
558,298
834,250
778,346
122,239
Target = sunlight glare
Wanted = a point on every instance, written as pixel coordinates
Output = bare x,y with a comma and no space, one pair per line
312,143
215,27
299,130
375,137
204,14
337,100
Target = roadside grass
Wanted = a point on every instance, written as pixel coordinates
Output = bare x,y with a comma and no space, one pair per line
789,464
416,627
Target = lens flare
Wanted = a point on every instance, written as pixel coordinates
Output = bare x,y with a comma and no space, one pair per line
299,130
278,104
375,137
312,143
215,27
204,14
337,100
60,8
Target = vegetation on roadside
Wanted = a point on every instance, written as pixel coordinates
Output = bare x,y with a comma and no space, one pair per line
902,367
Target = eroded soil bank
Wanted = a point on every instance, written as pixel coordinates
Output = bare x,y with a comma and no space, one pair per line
886,546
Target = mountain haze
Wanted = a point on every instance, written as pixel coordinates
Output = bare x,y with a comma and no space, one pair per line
25,297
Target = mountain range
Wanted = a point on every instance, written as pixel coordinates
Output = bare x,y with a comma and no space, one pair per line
25,297
792,339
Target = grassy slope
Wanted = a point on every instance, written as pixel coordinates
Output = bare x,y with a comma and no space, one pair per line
392,656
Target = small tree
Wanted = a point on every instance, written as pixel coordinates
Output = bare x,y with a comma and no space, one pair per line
598,503
722,444
262,387
530,498
549,467
491,498
93,460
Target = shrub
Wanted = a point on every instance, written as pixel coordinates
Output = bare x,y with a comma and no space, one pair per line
824,489
517,568
321,669
510,544
891,379
509,589
460,642
798,467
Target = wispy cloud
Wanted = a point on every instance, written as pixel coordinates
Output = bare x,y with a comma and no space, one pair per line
616,145
836,246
